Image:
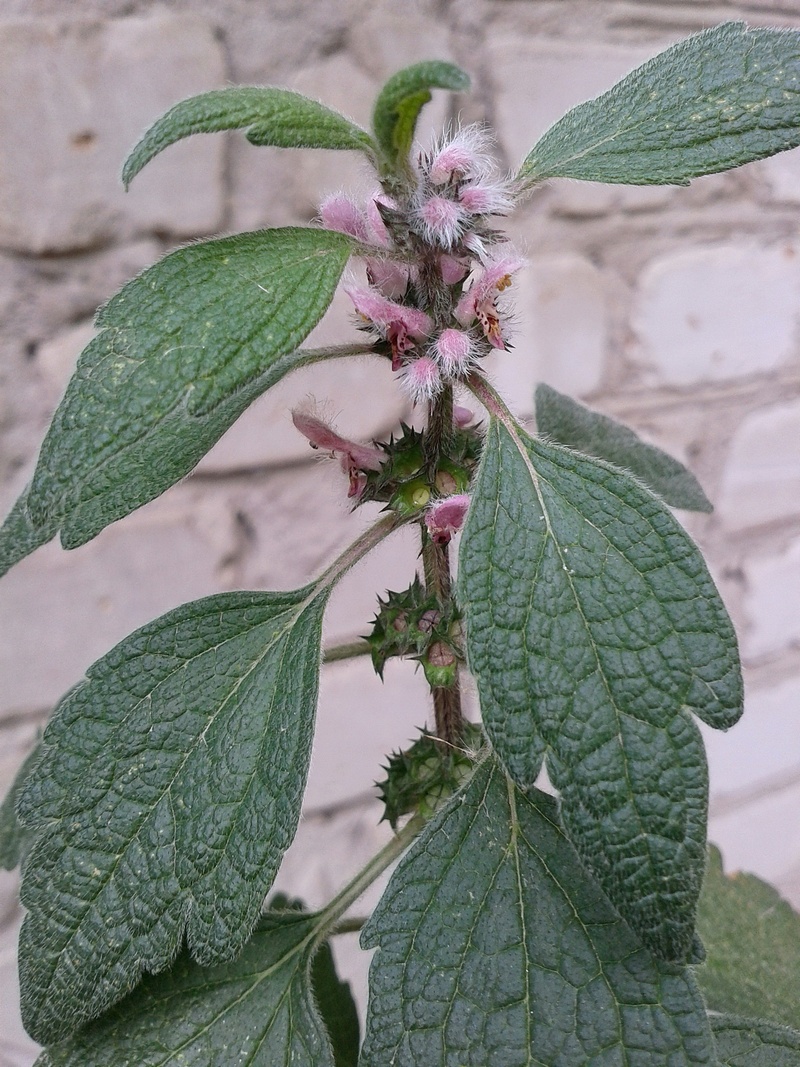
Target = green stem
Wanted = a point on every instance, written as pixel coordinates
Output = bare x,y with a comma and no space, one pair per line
350,926
330,916
349,650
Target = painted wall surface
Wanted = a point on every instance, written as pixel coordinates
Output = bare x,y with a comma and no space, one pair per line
675,309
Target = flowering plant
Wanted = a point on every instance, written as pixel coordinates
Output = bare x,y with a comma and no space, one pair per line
519,927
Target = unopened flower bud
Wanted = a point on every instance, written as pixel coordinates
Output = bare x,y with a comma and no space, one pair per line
422,379
455,352
442,221
340,213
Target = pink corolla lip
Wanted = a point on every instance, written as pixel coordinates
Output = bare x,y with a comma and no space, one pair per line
383,312
446,517
321,435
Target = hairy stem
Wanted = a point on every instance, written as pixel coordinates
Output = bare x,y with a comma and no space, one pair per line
330,916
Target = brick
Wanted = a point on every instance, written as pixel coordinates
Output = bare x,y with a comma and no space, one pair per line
360,719
763,838
761,478
716,312
60,611
782,176
76,95
551,77
760,749
771,602
560,331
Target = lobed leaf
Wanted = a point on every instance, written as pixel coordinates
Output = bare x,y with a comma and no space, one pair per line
752,939
569,423
259,1009
496,947
397,108
593,630
718,99
269,116
168,789
754,1043
15,841
182,351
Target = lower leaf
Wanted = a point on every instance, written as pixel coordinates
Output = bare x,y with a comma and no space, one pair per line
258,1010
496,947
168,789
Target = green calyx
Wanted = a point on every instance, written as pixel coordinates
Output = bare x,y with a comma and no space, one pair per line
414,623
424,776
404,483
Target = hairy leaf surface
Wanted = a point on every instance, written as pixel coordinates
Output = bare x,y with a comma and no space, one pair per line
183,349
270,116
754,1043
496,947
714,101
399,103
168,790
569,423
752,940
258,1009
15,840
593,630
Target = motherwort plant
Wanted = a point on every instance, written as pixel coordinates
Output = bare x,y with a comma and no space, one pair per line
519,927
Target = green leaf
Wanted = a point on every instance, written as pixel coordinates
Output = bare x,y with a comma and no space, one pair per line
496,947
183,349
270,116
400,101
257,1010
754,1043
168,790
337,1007
593,630
717,100
569,423
15,841
752,940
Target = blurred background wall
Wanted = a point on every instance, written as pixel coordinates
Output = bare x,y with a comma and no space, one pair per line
676,310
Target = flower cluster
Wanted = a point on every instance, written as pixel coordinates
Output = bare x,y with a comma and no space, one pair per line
438,270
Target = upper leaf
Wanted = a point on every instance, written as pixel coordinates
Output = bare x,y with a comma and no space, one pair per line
593,629
15,840
714,101
183,349
754,1043
496,947
270,116
752,940
569,423
400,101
168,790
258,1010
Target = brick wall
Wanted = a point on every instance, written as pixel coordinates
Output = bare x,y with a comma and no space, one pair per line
677,310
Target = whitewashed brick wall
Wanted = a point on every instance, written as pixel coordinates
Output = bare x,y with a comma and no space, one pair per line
677,310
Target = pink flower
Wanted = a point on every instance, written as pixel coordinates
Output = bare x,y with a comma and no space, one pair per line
463,156
389,277
486,198
455,352
422,379
462,416
442,220
340,213
446,517
400,325
453,270
355,459
480,300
